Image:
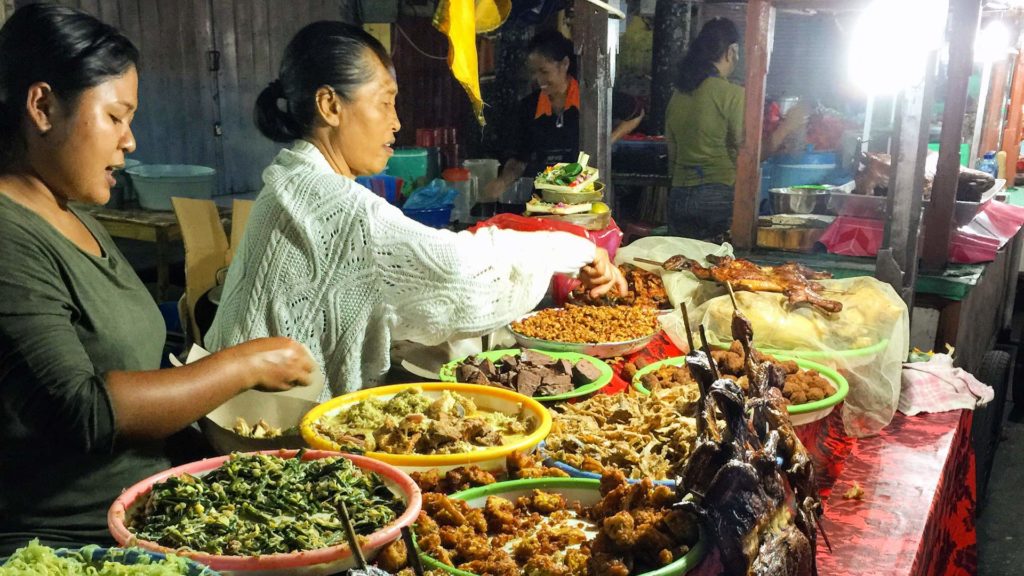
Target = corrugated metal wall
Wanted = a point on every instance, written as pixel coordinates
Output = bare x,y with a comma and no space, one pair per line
181,99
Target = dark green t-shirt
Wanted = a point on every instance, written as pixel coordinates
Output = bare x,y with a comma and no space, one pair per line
66,319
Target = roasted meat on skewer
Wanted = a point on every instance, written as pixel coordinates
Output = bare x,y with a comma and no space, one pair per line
751,483
794,280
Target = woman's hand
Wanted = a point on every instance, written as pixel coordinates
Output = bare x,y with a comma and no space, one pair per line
275,364
602,276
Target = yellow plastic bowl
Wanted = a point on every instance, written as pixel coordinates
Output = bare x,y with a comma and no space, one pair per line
485,397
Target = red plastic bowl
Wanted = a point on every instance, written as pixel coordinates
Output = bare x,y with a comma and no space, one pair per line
311,562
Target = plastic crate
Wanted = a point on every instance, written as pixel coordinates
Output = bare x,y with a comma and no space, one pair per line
433,217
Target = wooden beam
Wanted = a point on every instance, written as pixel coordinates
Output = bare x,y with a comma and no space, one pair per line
590,39
992,129
1011,136
757,43
965,16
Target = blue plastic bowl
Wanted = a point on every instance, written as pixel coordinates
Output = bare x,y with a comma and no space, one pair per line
433,217
130,556
574,472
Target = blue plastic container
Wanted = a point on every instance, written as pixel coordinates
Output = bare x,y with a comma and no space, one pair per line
433,217
803,169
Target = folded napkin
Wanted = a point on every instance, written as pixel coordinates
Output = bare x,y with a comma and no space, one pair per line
938,386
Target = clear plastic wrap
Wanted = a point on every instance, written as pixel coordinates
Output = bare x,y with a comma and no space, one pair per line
867,342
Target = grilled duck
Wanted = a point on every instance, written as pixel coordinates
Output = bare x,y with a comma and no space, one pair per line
794,280
750,484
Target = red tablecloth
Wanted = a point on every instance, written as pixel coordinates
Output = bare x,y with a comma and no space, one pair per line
917,513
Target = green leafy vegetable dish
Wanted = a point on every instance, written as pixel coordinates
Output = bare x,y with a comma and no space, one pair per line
36,559
258,504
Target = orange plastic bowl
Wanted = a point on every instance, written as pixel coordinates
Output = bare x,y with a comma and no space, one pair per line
306,563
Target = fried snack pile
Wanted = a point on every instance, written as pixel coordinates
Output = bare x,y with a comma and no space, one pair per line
645,289
518,465
802,386
412,423
589,324
632,529
647,436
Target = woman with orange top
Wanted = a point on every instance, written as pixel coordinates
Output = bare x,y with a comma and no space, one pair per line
548,120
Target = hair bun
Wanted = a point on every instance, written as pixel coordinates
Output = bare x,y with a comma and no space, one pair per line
276,89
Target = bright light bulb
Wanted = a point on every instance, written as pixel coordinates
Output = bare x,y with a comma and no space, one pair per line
992,42
892,41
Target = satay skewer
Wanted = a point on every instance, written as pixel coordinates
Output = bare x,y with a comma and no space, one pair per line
350,534
411,555
686,324
732,296
649,261
707,350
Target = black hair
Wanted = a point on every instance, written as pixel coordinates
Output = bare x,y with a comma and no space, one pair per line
324,53
710,45
553,46
67,48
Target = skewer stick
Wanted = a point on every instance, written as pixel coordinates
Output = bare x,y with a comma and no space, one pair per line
707,350
350,534
686,324
412,557
817,520
732,296
651,262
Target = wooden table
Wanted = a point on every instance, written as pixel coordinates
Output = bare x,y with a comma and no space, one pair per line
159,228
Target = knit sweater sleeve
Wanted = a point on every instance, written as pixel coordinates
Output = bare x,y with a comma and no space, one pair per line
440,284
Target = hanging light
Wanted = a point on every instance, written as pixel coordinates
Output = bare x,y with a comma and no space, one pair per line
892,41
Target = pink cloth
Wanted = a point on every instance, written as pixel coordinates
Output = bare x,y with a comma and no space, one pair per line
936,386
979,241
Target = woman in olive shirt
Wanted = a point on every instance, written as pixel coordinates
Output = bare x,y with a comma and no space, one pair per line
83,407
704,129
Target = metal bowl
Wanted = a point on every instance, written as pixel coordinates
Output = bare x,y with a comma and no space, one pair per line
796,200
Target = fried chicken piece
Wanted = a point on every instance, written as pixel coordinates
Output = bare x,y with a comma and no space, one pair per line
620,530
650,541
445,511
476,520
429,481
604,564
499,564
425,525
546,502
393,557
500,514
663,496
473,547
576,561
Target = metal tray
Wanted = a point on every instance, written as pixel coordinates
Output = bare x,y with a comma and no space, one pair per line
874,207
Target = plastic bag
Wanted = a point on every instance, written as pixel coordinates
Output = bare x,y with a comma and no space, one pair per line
609,238
437,194
867,342
680,286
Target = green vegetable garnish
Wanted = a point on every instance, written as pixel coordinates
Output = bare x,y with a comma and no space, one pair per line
260,504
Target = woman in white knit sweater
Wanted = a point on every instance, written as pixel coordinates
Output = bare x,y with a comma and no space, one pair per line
327,262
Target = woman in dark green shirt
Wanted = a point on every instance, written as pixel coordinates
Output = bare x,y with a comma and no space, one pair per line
83,406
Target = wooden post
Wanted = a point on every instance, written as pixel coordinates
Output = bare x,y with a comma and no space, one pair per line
1011,136
897,261
990,132
590,39
756,48
965,16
